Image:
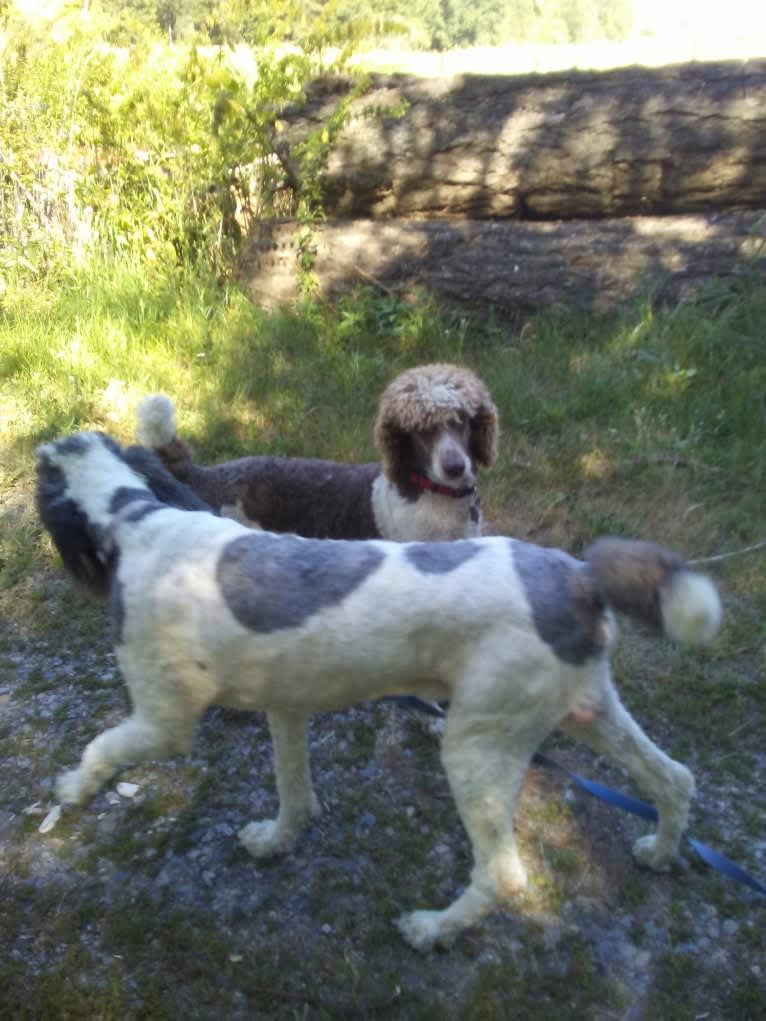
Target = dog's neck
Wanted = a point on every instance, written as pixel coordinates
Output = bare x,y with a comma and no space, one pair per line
419,515
427,485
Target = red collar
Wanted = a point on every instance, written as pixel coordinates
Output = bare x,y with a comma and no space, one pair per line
435,487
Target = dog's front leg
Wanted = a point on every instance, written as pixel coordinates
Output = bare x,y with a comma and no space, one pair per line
297,801
485,773
134,740
614,733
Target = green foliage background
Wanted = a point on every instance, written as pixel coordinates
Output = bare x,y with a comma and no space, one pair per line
112,141
434,24
144,128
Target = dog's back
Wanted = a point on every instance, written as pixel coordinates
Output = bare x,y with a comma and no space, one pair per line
310,497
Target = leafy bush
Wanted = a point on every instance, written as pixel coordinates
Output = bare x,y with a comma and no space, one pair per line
156,152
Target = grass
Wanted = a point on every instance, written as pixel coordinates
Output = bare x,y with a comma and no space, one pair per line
650,422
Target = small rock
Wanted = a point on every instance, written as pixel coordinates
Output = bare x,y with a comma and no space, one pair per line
113,797
50,820
730,927
127,790
326,928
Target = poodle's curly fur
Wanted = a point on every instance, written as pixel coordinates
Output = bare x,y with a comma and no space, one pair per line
435,425
427,398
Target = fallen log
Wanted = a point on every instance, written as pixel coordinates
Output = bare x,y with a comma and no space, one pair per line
634,141
515,267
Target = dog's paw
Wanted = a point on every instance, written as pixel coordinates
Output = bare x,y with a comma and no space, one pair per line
70,789
650,856
423,929
266,838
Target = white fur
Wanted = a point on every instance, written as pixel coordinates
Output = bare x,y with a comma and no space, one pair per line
466,634
432,517
156,421
691,609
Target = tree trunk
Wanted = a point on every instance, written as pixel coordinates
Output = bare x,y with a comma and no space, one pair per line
635,141
515,267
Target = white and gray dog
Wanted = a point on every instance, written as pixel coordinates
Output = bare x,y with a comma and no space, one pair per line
514,636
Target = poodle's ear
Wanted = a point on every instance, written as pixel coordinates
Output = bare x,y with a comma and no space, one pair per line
392,444
484,430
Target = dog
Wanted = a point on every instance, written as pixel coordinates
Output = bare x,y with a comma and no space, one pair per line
435,425
514,636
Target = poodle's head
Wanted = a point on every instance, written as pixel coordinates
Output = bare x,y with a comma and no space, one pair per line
422,403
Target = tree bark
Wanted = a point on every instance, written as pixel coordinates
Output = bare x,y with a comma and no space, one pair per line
515,267
635,141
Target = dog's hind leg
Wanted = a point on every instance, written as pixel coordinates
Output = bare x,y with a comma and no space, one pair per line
297,801
135,739
614,733
485,769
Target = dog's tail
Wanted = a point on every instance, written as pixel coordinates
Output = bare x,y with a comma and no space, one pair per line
657,588
157,429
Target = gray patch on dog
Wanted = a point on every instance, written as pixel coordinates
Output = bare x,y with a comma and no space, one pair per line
142,510
474,513
111,445
117,611
274,582
72,445
125,495
566,608
440,557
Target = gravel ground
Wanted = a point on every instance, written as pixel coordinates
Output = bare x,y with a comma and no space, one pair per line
144,904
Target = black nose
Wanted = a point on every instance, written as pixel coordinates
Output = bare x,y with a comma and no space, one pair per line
454,469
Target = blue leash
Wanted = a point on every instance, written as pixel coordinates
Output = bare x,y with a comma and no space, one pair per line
716,861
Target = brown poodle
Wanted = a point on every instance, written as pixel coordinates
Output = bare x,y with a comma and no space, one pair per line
436,424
